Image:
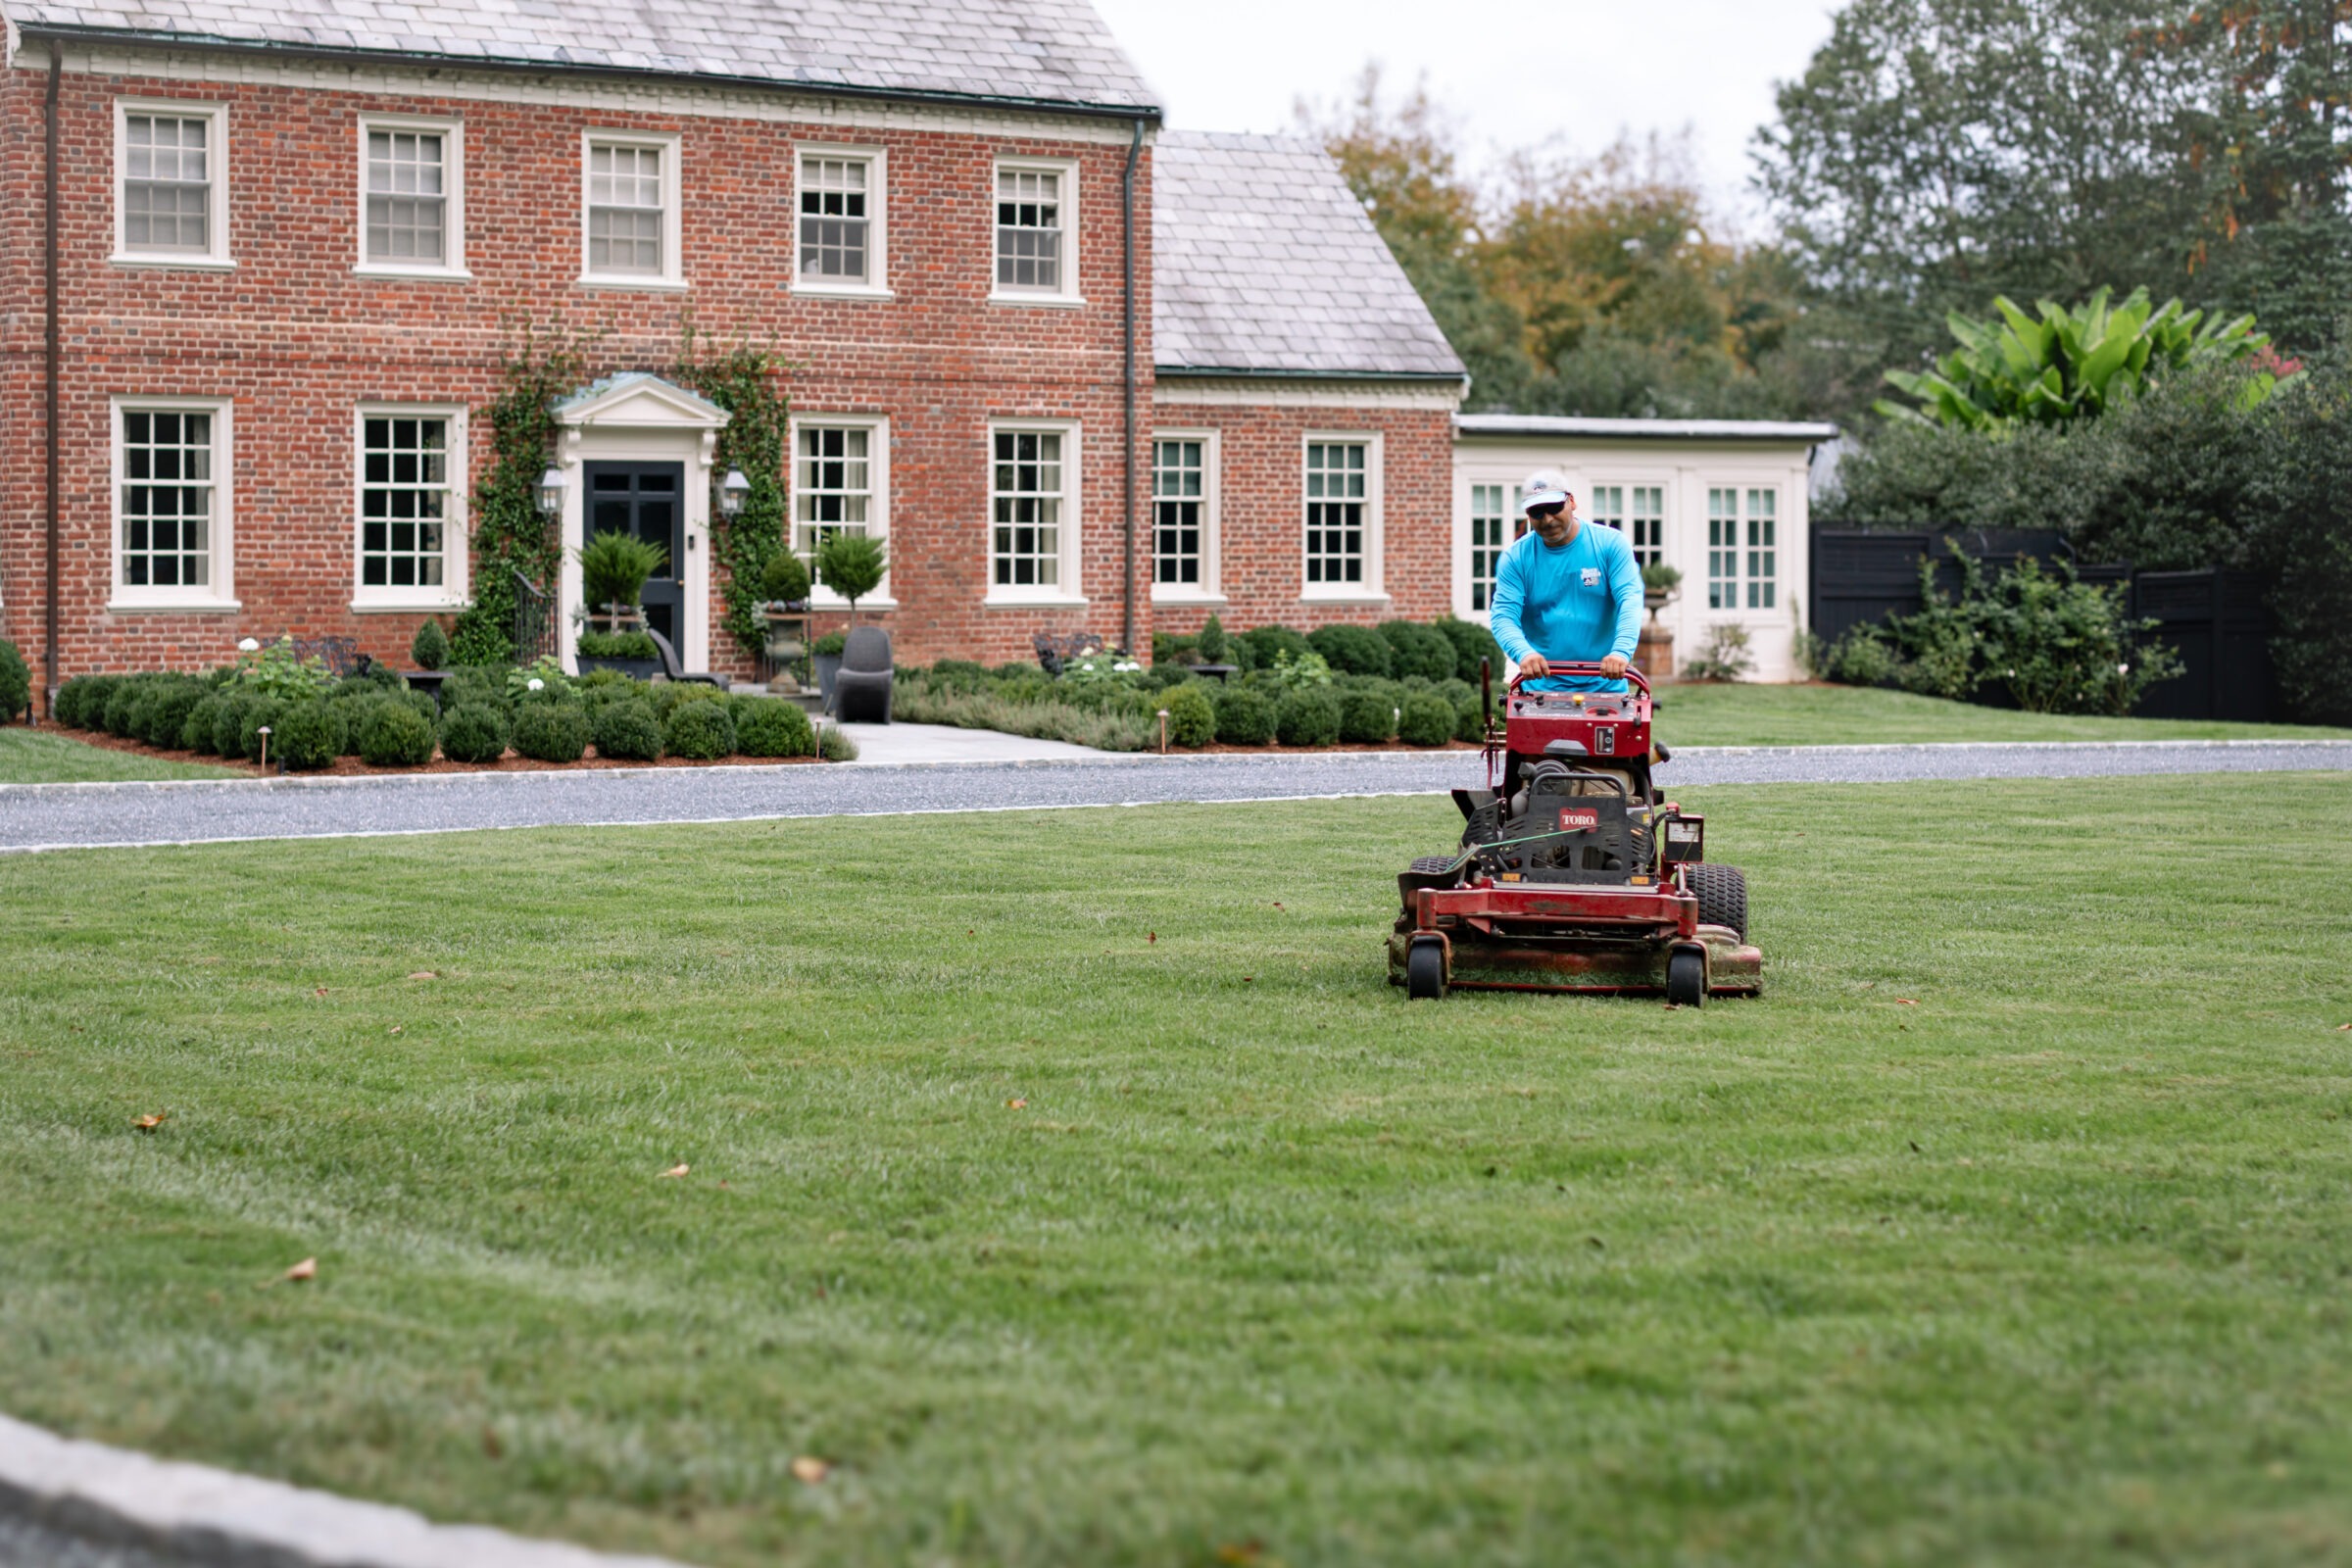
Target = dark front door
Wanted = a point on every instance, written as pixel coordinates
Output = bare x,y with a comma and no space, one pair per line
648,500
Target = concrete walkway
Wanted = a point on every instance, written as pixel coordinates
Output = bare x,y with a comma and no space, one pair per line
47,817
945,743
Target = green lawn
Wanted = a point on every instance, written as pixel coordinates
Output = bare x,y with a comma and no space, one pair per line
1850,715
59,757
2014,1224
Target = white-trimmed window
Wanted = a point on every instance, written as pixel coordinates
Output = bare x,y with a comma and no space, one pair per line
1492,514
412,197
1183,514
1036,220
840,228
840,484
629,224
1742,548
170,183
1639,512
411,547
1342,533
172,504
1033,513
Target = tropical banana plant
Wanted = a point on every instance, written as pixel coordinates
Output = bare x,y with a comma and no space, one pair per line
2074,363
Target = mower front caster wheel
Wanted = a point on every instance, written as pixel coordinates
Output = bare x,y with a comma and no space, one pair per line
1425,971
1687,978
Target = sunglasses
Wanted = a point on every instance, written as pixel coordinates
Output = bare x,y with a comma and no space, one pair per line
1549,508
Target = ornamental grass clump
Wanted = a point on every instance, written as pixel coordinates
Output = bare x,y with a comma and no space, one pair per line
396,735
551,732
308,736
770,726
702,731
474,732
1192,718
626,731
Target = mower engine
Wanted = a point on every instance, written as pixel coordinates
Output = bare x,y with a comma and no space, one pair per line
1572,875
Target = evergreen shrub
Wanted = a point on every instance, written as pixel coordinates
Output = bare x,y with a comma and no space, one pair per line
1418,650
474,732
396,735
626,731
1471,643
1244,717
1426,720
770,726
255,715
1264,642
1367,715
228,722
671,695
164,713
196,730
702,731
1308,716
1353,649
430,646
1191,716
16,683
121,704
307,736
551,732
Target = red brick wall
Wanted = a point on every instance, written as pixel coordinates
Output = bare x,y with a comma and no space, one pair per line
1263,498
296,339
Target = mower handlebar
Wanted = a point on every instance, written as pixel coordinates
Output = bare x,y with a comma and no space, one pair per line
1562,666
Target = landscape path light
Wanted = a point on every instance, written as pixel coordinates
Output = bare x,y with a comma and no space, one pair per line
551,492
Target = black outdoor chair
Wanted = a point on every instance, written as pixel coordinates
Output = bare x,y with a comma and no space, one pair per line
669,664
861,686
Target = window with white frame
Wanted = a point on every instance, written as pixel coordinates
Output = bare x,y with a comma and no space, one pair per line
1492,516
840,202
835,486
170,183
1032,514
410,216
1639,512
1183,497
410,540
630,209
1034,201
1338,515
1742,548
172,501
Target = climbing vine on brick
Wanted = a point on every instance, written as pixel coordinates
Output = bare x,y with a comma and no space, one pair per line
746,380
509,533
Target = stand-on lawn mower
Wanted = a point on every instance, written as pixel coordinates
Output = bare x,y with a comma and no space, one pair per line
1572,875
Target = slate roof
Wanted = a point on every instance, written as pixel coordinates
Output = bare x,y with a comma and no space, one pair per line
1022,51
1265,263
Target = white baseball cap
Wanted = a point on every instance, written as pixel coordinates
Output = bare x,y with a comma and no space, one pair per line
1545,487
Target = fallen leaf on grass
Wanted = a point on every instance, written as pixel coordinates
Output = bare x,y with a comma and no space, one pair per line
307,1269
148,1124
1905,1001
2344,1027
1150,935
1016,1104
1246,979
424,974
320,990
810,1470
680,1169
396,1028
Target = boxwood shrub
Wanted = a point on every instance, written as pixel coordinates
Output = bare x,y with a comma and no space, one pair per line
626,731
308,736
1353,649
699,730
1369,714
121,704
670,695
1191,716
1308,716
770,726
16,683
256,714
1471,643
551,732
73,696
1255,648
396,735
1244,717
196,730
1426,720
1418,650
475,733
158,715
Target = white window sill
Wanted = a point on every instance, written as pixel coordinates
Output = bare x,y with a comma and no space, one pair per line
173,606
654,285
1035,600
1352,596
188,264
1063,301
408,607
844,291
1187,596
426,275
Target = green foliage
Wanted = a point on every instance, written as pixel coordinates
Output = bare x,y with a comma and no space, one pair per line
1293,671
671,695
510,535
1308,716
830,645
1191,716
429,648
16,683
1369,714
1417,650
474,732
851,565
835,745
162,714
784,580
703,731
1471,643
1353,649
618,645
1725,656
228,722
274,670
613,566
73,695
308,736
770,726
1245,717
2060,645
2074,364
1860,657
1426,720
196,731
540,682
475,684
551,732
253,716
396,735
1659,579
121,704
2298,533
1210,643
744,379
1265,643
627,731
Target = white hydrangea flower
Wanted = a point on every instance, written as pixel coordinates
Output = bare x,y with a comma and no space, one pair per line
249,646
2123,669
536,684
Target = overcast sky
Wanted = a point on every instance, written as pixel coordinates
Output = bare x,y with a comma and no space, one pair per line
1514,72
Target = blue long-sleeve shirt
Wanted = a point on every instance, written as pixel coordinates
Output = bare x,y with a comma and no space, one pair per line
1577,604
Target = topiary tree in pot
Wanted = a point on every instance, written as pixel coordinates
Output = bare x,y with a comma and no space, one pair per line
851,565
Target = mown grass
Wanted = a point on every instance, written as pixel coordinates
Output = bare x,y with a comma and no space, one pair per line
2011,1225
58,756
1741,715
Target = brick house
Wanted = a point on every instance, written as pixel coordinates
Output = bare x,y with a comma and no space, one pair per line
263,259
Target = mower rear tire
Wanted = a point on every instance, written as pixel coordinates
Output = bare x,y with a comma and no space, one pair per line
1432,864
1722,896
1425,971
1687,978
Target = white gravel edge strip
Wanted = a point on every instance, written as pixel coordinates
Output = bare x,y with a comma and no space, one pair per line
195,1513
520,779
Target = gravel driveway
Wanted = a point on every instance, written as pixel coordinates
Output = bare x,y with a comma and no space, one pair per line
42,816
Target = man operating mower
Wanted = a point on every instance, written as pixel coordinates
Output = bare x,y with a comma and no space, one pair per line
1566,594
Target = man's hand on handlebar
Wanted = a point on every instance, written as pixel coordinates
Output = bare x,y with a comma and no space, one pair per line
1534,667
1613,667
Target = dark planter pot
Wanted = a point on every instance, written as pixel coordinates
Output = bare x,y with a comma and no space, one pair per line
828,666
1215,671
634,668
427,681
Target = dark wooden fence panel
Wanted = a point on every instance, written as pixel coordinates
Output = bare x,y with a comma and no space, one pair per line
2215,618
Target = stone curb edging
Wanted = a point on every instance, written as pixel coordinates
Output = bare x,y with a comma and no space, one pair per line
195,1514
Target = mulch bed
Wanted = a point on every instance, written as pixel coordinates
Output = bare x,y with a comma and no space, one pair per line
352,767
1278,749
